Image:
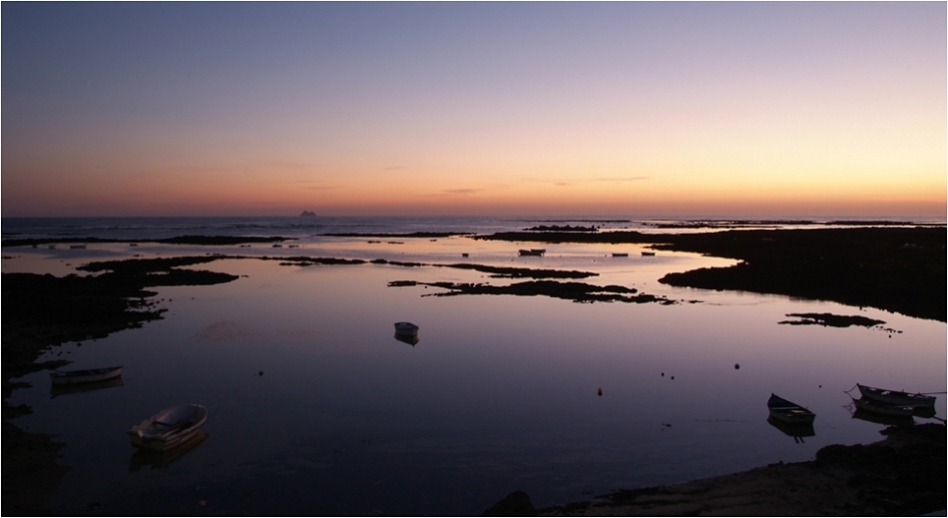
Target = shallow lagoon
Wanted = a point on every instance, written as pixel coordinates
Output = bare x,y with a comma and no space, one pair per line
499,394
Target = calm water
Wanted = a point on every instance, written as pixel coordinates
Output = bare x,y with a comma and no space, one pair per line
499,394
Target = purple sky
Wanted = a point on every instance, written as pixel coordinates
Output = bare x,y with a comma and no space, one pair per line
474,108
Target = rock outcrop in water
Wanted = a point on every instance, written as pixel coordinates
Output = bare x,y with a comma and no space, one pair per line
896,269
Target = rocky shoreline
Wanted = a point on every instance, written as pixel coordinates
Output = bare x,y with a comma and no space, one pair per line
902,475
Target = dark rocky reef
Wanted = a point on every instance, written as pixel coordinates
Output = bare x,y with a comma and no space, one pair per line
499,272
504,272
575,291
178,240
899,269
575,237
895,269
430,235
309,261
563,228
830,320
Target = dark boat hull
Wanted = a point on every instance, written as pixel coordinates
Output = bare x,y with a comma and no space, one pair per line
788,411
895,397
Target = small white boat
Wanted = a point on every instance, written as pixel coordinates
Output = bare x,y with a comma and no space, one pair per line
895,397
788,411
168,428
406,329
84,375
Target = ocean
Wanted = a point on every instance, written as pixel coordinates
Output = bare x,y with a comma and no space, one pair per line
304,227
316,408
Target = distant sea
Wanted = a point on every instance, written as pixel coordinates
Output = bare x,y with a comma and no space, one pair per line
313,226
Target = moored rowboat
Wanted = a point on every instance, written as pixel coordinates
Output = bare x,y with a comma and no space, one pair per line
84,375
895,397
406,329
788,411
168,428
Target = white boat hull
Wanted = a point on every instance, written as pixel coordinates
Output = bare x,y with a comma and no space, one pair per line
168,428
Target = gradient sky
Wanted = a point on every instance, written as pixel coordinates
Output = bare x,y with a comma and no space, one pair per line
728,109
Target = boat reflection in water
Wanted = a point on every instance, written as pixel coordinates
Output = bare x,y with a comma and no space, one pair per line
62,390
924,411
796,430
888,420
408,339
163,459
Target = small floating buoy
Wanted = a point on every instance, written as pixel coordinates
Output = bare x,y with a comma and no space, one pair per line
260,373
663,374
600,391
737,366
673,377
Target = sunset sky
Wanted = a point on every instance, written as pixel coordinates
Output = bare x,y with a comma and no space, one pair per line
661,109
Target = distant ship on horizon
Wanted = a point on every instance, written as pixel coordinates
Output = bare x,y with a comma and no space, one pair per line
307,214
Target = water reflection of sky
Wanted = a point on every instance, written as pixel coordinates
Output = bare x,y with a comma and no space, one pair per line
499,394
